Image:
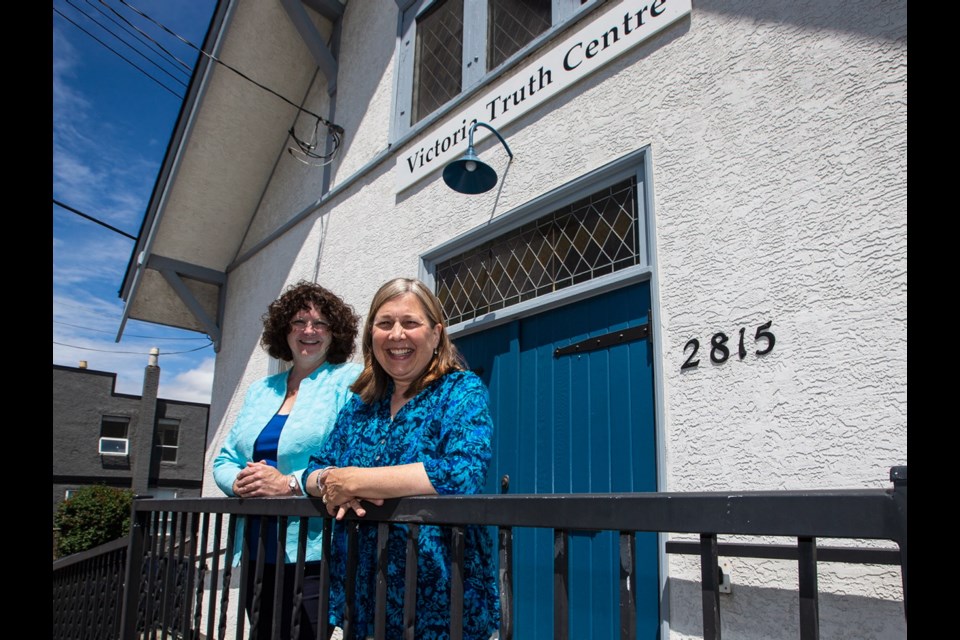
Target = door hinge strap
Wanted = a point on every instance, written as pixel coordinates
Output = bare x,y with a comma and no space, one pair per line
621,336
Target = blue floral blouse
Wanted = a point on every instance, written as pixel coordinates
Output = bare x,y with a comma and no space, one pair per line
448,428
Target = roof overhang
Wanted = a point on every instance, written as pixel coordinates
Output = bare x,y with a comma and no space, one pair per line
221,156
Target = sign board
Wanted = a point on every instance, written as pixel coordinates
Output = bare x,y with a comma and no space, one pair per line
601,41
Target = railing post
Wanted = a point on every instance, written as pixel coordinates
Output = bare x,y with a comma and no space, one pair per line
323,606
380,604
257,579
295,621
168,578
131,584
505,550
628,586
227,577
191,543
201,575
457,541
410,583
898,476
561,589
809,603
350,580
710,585
279,571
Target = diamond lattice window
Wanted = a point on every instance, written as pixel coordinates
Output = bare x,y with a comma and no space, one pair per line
437,69
589,238
514,23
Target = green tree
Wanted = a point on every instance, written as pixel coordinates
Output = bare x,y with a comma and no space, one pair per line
92,516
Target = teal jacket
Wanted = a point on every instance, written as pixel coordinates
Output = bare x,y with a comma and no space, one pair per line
321,396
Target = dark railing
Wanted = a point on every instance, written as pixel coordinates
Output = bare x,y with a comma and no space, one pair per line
88,592
185,561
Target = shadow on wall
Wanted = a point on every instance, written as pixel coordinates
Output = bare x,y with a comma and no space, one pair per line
870,18
759,613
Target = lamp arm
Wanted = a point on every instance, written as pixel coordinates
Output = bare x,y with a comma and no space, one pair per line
473,128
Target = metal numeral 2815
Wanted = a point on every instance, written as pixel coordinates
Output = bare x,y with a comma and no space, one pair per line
720,352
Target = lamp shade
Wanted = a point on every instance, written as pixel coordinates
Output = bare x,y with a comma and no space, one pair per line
469,174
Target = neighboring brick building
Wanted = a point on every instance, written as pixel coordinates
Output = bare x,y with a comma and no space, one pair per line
152,445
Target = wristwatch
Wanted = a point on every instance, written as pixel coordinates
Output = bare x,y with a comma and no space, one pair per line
293,484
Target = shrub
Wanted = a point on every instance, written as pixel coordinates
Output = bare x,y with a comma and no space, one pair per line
92,516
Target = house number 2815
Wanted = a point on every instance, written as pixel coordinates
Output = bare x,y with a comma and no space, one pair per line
720,352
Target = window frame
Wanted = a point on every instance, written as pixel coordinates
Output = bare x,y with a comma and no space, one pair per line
125,420
163,424
637,163
474,74
125,438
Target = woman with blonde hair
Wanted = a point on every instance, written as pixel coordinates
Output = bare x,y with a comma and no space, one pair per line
419,425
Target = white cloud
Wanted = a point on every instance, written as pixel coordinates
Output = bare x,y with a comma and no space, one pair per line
85,327
194,385
92,255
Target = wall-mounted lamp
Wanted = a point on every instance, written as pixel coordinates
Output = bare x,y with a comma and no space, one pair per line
469,174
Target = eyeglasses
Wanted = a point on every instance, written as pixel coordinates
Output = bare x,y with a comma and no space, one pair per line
300,324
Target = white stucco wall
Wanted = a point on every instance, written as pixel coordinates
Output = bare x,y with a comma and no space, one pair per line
778,140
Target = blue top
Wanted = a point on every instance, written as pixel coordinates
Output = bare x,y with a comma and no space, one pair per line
321,396
265,450
265,446
447,427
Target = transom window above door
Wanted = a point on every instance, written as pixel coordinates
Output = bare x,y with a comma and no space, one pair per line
591,237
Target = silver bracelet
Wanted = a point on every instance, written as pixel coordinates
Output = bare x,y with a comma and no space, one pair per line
320,485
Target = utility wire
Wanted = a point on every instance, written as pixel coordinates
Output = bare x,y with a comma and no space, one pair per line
126,335
92,219
334,128
149,44
145,35
125,42
118,54
131,353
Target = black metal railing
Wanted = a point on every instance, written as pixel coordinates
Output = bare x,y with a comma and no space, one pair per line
88,592
180,586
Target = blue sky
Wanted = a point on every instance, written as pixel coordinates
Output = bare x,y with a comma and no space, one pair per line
111,127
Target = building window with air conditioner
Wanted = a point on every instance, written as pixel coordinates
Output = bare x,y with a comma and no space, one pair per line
113,435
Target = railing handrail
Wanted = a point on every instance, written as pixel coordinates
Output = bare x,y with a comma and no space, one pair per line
830,513
805,515
82,556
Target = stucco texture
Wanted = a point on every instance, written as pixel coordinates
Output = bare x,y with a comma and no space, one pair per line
777,139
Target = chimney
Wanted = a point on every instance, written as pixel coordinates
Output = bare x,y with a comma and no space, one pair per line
141,440
83,364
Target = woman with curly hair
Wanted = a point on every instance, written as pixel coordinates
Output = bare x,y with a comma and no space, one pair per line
286,417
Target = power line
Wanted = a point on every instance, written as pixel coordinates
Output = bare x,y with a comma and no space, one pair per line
184,70
126,335
130,353
181,62
118,54
92,219
123,40
306,148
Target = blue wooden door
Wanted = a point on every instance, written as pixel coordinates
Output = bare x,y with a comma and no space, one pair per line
580,423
